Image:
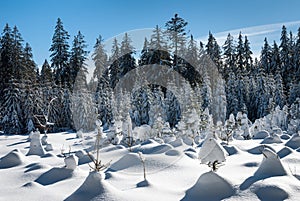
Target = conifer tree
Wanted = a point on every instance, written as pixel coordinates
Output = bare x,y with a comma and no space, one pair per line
60,53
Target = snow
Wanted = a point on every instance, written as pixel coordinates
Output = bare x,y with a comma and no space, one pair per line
294,142
252,171
261,135
212,151
210,186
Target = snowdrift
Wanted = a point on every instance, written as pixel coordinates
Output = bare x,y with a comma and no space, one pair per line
12,159
94,187
210,186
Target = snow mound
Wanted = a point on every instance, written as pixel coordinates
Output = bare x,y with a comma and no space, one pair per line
173,152
277,131
285,137
36,145
191,155
284,152
49,147
261,134
12,159
188,141
130,160
231,150
149,141
82,157
270,165
176,143
54,175
294,142
212,151
154,149
144,183
272,139
94,188
71,162
190,150
259,149
210,186
273,193
44,140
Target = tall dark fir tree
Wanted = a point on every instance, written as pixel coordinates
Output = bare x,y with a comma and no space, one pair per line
60,54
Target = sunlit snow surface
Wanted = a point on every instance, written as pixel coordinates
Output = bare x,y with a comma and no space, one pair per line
252,171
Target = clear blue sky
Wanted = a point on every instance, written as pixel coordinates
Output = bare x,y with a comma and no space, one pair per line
36,18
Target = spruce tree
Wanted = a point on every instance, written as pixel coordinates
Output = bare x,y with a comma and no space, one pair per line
60,53
176,33
228,56
214,51
100,59
78,69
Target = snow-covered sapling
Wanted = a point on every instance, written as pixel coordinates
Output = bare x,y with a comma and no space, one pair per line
212,153
142,158
98,166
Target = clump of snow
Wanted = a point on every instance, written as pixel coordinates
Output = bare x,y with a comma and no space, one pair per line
173,152
142,132
49,147
284,152
79,134
169,138
94,188
12,159
259,149
144,183
285,137
44,139
271,193
294,142
272,139
82,157
231,150
212,151
188,141
35,145
153,148
210,186
130,160
277,131
71,162
261,134
270,165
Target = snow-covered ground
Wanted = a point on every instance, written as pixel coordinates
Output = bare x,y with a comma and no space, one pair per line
252,171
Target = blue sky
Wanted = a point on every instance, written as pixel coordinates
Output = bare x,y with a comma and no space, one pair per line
36,18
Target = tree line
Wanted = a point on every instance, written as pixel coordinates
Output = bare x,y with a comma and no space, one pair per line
60,91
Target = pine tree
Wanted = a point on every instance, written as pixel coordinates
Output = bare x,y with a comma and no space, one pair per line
265,60
231,95
127,60
247,55
240,52
6,62
17,54
100,58
12,103
114,64
29,65
214,51
78,67
228,56
176,32
284,58
60,53
275,60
